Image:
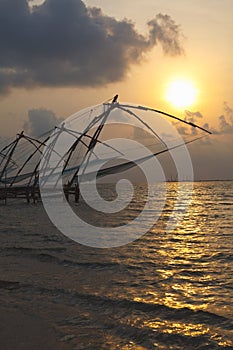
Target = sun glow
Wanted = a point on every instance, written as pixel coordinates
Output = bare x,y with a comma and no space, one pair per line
181,93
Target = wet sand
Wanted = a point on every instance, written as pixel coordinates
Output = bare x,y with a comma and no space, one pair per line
22,331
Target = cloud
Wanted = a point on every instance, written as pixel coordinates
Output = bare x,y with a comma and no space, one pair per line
225,126
64,43
40,121
190,117
211,155
164,30
226,120
228,111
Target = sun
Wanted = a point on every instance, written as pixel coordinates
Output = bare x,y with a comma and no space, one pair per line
181,93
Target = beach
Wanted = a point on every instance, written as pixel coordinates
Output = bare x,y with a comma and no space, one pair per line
167,290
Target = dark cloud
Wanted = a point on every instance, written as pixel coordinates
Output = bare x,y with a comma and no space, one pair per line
40,121
62,42
163,29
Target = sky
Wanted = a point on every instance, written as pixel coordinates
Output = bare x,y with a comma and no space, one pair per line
59,56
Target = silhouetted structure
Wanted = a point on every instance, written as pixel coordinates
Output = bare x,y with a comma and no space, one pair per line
28,163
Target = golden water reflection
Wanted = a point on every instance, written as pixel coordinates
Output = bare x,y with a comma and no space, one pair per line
194,268
171,327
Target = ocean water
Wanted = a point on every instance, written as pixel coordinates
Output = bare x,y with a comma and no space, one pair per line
167,290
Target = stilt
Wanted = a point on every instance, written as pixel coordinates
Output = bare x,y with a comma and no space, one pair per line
77,193
28,196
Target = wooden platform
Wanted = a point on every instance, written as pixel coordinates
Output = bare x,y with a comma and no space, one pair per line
29,193
32,194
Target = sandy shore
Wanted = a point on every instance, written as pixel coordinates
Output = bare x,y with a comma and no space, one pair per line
22,331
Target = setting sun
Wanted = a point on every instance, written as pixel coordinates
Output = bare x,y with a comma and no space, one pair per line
181,93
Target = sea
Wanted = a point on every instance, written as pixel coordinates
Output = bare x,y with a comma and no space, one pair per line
169,289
